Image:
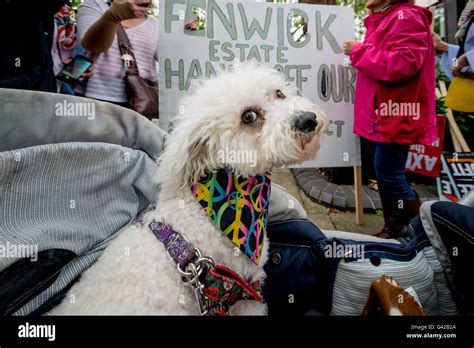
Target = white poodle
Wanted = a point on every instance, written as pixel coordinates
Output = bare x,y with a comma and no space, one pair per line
247,110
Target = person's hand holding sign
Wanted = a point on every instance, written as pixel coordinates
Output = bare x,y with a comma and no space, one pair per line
459,64
121,10
347,46
100,36
191,25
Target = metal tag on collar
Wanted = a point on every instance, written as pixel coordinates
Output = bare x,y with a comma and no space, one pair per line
191,277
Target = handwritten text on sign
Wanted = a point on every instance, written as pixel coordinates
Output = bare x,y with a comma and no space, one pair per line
264,32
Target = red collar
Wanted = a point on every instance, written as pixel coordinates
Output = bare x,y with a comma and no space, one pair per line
217,287
223,287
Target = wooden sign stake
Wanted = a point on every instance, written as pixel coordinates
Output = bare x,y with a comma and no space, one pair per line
359,205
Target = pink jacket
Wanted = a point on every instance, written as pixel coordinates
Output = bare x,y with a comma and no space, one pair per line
395,87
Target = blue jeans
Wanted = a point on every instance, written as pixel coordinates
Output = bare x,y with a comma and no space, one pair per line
389,161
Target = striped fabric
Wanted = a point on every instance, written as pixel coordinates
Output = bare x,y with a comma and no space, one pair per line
71,182
107,81
424,273
74,196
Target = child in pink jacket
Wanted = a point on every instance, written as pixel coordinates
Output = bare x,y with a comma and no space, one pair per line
395,101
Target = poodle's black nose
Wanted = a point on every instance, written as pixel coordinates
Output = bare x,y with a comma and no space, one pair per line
306,122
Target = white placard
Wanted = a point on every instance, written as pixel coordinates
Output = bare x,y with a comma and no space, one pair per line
242,30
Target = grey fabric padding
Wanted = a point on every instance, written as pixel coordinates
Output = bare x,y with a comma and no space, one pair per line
424,273
101,163
29,118
73,196
468,199
359,237
284,206
438,245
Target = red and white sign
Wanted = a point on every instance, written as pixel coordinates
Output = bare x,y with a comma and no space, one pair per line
425,159
457,176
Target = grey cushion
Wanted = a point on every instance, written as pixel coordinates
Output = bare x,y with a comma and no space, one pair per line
29,118
71,182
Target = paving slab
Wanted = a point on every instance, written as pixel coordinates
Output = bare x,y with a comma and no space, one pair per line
311,206
284,177
323,216
345,221
322,221
315,186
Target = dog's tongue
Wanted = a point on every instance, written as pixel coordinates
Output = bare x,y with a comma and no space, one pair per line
238,206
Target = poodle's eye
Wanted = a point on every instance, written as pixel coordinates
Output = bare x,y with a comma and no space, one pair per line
279,94
249,116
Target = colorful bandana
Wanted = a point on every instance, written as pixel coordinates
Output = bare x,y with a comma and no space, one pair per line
238,206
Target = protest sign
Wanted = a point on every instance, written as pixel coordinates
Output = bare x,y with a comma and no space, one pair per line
457,175
425,159
233,31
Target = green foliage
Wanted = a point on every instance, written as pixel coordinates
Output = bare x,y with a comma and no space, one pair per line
464,122
360,12
359,6
298,28
440,106
440,76
75,3
200,19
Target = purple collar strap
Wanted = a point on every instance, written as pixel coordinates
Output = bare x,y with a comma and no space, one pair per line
216,287
180,250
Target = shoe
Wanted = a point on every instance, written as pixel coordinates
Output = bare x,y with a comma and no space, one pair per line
397,214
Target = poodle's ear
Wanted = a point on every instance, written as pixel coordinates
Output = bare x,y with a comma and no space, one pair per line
186,156
199,148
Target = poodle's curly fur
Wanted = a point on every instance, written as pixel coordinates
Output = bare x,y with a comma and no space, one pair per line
135,274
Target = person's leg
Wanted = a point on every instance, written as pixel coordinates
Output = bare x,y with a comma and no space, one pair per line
367,149
368,146
390,161
400,203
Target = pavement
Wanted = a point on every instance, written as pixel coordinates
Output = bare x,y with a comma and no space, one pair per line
324,217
